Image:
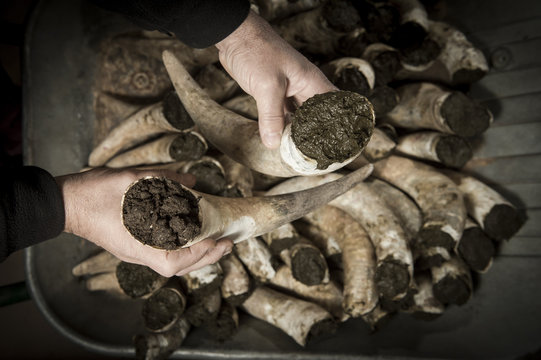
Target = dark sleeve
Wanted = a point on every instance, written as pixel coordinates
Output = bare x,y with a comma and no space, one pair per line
31,208
198,23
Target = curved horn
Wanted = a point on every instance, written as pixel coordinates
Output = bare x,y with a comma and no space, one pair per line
182,146
184,217
394,270
164,116
220,126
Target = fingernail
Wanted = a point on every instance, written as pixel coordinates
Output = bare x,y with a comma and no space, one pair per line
228,251
272,140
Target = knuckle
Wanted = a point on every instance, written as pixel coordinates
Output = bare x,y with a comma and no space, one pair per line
269,85
166,267
215,256
167,271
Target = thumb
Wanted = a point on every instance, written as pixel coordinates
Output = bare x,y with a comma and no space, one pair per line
270,108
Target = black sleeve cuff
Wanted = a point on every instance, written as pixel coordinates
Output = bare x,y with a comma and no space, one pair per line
31,209
211,22
198,23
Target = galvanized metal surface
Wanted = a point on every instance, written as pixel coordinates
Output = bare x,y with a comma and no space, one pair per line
503,320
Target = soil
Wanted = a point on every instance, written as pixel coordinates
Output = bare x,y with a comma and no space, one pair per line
452,290
463,116
379,19
187,147
322,329
162,309
209,178
423,54
408,301
476,249
434,236
351,79
332,127
381,322
466,76
308,266
277,245
237,300
408,35
424,263
160,213
386,65
199,290
392,278
353,46
503,221
384,99
225,325
453,151
175,113
385,26
136,280
203,309
389,305
340,15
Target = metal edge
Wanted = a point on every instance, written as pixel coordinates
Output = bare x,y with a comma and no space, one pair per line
65,330
28,159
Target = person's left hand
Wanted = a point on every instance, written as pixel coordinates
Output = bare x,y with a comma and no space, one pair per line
270,70
93,205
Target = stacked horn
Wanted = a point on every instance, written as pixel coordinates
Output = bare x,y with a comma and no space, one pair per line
389,225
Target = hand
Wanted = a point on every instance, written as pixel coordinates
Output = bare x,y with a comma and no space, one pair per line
93,200
270,70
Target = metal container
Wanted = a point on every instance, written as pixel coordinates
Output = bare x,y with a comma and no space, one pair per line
503,320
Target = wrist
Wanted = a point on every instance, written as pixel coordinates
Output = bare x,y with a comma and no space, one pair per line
251,28
65,185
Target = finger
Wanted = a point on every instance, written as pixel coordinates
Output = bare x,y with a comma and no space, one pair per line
270,107
223,247
314,83
168,263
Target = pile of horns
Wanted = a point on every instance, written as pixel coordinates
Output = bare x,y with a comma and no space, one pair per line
406,239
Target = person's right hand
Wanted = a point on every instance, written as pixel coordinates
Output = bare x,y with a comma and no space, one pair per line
272,71
92,200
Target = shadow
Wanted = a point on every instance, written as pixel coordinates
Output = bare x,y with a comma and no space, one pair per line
10,122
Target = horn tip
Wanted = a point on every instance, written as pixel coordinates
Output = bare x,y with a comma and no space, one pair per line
168,56
366,170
